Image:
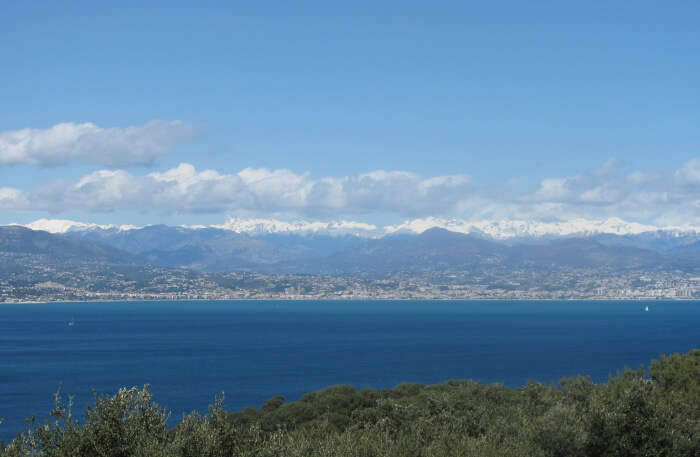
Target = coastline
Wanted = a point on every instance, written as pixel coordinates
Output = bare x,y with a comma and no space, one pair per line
350,299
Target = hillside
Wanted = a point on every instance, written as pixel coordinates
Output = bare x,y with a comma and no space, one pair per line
441,250
215,250
36,265
19,242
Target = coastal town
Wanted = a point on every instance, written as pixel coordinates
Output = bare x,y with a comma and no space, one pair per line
175,284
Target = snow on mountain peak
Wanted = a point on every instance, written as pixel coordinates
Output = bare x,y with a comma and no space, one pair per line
65,225
260,226
505,229
501,229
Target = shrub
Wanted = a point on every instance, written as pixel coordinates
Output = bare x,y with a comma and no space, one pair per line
633,414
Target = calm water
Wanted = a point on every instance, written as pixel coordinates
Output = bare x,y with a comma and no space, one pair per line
190,351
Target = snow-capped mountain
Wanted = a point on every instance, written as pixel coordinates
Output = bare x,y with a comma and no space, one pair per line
498,230
276,246
264,226
65,225
505,229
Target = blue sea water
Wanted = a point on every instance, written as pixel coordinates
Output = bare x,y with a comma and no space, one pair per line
253,350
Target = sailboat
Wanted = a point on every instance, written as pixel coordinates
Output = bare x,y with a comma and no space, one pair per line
646,308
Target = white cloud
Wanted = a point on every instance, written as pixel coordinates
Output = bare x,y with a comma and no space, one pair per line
552,189
89,143
184,189
668,197
604,193
689,173
656,196
11,198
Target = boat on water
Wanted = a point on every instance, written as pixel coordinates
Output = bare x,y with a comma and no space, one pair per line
646,308
71,322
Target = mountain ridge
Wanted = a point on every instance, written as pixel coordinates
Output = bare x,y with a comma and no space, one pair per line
218,250
504,229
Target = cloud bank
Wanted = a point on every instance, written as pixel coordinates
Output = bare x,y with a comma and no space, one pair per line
665,197
670,197
88,143
185,190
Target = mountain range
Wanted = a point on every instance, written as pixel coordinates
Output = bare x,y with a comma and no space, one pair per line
498,230
270,246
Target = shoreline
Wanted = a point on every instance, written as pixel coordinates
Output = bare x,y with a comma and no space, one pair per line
664,299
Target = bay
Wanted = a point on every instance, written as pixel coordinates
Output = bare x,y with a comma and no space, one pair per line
253,350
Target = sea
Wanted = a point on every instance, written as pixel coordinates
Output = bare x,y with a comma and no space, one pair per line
189,352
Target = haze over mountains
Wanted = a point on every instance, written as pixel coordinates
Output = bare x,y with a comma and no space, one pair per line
431,244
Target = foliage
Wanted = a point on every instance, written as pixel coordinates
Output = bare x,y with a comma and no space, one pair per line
633,414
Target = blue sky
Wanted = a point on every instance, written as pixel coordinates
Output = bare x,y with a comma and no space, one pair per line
525,110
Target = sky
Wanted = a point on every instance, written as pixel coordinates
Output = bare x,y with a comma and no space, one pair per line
193,112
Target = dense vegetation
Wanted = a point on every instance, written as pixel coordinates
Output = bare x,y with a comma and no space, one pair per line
637,413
